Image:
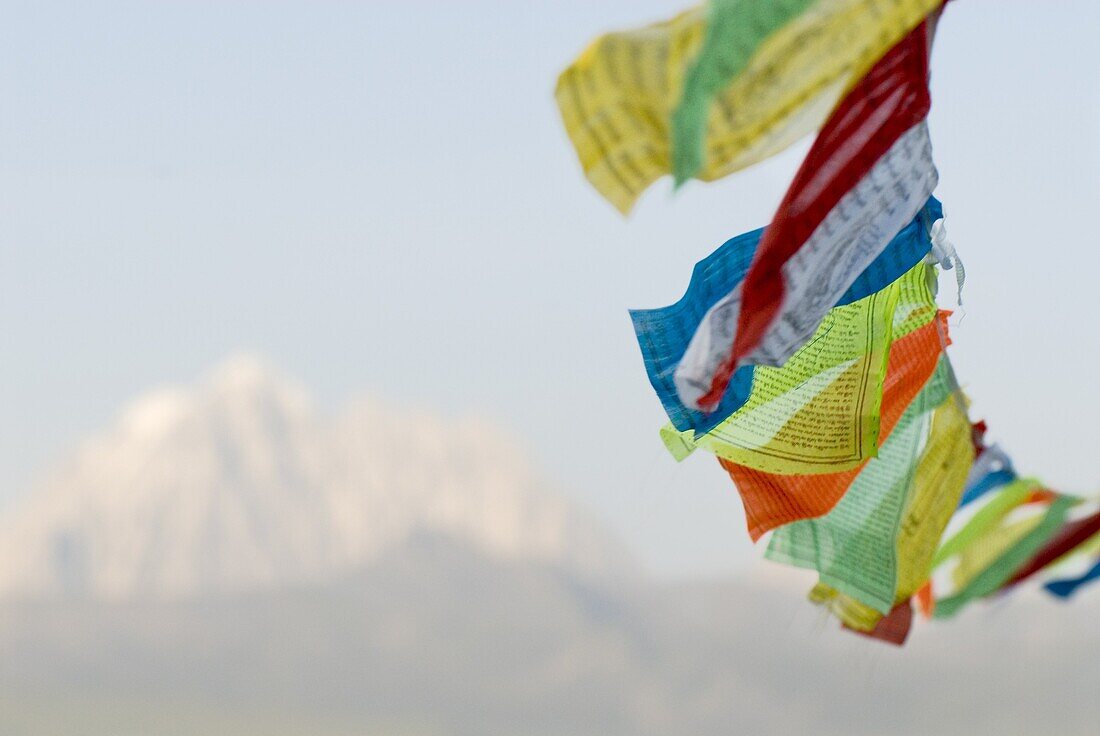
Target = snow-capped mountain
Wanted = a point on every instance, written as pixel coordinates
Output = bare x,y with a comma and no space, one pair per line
239,483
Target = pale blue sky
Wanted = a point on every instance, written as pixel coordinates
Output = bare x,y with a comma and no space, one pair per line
378,196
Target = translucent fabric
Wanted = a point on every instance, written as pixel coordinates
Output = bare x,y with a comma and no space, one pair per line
868,173
1000,570
854,546
763,63
940,476
772,500
820,413
617,98
664,334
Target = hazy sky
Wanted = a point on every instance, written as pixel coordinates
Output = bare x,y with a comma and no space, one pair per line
379,197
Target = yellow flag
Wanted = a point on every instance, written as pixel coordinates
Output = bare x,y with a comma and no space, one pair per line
940,479
988,549
617,98
937,486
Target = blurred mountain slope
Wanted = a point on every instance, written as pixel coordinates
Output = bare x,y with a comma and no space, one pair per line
238,483
227,560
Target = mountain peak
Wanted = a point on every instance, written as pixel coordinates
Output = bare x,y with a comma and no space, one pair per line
243,369
236,483
248,374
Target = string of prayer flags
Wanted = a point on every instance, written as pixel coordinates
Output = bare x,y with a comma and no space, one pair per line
820,412
810,357
867,175
665,334
757,76
691,376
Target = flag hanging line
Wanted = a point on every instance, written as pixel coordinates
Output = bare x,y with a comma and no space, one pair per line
810,356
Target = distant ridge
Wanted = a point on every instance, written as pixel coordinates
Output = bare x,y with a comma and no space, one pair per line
237,483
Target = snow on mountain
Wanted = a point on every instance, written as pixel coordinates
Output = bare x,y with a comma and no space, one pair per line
238,483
